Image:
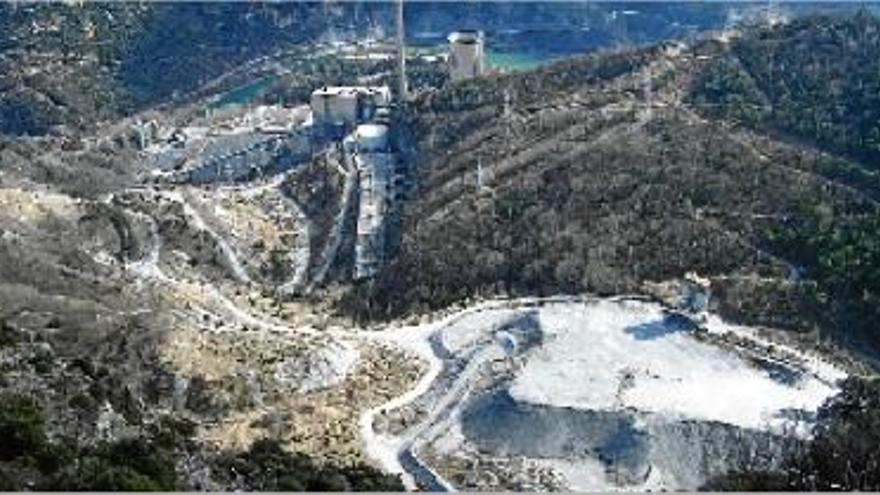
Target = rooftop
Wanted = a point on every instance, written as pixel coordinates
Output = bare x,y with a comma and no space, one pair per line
465,37
349,90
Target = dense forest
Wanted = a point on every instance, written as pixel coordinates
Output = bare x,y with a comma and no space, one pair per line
844,259
816,79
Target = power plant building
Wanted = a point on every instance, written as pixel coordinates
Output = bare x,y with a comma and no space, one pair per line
360,117
465,55
335,105
345,106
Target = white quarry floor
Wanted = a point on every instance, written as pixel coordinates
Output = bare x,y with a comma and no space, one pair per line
601,355
613,355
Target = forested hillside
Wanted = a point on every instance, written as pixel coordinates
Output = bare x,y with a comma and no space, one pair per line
58,63
584,187
816,79
72,65
30,459
816,83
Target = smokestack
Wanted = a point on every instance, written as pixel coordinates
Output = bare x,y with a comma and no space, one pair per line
401,54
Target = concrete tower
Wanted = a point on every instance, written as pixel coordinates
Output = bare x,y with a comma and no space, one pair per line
402,89
465,55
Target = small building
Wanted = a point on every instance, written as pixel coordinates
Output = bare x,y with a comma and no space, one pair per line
696,293
378,96
465,55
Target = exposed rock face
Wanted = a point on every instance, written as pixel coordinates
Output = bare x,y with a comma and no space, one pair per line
601,394
631,447
499,424
688,453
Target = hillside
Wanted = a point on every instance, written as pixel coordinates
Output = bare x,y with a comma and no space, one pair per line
126,365
72,65
816,79
58,63
166,324
67,65
814,83
587,187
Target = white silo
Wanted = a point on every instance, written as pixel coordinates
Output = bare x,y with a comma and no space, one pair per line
372,138
465,55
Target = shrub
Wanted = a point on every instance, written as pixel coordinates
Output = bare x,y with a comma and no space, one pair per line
21,427
268,467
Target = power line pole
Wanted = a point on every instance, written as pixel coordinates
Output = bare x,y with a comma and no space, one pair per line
647,88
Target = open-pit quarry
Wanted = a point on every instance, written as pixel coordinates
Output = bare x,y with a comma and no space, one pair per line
229,257
592,394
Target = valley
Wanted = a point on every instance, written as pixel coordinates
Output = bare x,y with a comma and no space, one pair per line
312,270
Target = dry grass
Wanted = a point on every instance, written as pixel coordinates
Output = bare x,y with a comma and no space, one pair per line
36,206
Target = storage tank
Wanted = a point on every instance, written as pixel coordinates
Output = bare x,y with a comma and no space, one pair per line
372,138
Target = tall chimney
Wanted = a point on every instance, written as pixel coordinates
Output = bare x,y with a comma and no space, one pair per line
401,54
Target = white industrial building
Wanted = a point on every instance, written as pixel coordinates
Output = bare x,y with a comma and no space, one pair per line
334,105
465,55
347,105
361,114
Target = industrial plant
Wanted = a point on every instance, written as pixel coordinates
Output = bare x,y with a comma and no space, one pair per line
510,246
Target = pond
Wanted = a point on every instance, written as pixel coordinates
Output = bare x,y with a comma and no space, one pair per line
516,61
245,93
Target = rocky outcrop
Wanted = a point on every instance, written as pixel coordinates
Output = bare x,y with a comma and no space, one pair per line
688,453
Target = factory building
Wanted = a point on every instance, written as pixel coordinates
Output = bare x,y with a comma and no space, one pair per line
465,55
336,105
360,117
341,108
